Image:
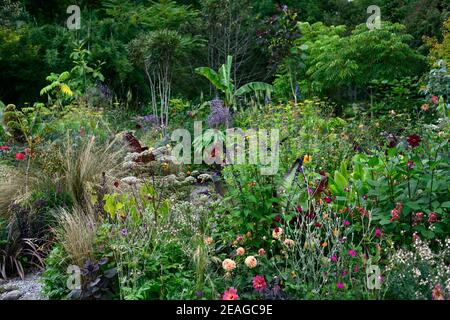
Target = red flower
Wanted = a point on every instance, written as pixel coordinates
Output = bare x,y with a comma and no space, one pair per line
277,218
328,199
230,294
413,140
418,217
20,156
436,293
259,283
435,100
116,184
395,215
432,217
4,148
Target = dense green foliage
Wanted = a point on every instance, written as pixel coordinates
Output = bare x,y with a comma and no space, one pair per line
94,192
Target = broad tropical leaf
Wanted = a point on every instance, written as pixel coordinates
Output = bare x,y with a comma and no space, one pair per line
254,86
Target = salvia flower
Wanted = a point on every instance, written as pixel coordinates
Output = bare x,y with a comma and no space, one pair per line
124,232
259,283
230,294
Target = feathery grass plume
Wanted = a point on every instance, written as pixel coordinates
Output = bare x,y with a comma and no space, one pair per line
76,233
84,168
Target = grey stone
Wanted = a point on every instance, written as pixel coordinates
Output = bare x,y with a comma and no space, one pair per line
8,287
12,295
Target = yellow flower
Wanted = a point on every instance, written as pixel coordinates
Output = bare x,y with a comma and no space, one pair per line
335,232
307,159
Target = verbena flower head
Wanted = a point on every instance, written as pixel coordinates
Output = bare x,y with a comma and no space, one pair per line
220,115
340,285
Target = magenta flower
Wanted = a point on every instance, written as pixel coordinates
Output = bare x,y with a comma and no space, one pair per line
352,252
230,294
328,199
340,285
378,233
334,258
259,283
346,223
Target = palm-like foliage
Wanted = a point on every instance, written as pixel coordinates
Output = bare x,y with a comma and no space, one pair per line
222,81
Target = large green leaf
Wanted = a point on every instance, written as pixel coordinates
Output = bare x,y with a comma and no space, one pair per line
225,74
212,76
254,86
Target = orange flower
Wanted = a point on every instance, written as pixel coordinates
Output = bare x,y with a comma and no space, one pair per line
251,262
335,232
306,159
240,251
228,265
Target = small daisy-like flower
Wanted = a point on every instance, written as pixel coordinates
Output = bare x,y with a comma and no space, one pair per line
230,294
